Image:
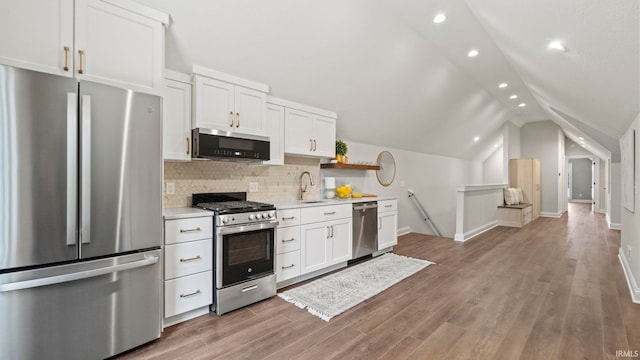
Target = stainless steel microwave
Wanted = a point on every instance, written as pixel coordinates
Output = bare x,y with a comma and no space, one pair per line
223,145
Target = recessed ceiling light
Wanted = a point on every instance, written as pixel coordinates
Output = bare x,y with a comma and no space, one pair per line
512,97
503,85
522,105
495,145
583,145
580,138
473,53
440,18
556,45
475,139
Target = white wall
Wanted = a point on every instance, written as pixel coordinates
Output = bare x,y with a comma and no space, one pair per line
433,178
511,147
493,168
630,242
540,140
615,210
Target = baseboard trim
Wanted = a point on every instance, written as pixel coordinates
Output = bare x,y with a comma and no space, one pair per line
634,290
404,230
615,226
475,232
551,215
601,211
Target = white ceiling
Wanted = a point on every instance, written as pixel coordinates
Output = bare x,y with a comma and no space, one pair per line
397,79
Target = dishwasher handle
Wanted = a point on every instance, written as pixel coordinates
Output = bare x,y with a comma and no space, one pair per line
366,206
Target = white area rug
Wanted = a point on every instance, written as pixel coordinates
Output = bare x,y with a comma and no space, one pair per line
336,293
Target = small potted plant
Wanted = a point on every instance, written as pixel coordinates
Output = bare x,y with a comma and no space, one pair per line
341,151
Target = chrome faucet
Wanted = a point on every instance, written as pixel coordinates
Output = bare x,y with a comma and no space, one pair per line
303,188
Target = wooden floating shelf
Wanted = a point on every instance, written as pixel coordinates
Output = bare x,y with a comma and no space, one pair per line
349,166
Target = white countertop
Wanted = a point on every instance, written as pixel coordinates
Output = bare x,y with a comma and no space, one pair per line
184,212
294,204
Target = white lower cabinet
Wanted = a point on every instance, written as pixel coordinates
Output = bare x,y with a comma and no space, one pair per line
325,243
188,267
187,293
387,223
288,265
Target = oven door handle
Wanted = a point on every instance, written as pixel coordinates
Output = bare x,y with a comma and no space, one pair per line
224,230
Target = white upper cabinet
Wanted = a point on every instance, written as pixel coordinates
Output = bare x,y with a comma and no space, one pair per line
35,33
117,42
309,133
227,103
177,117
275,129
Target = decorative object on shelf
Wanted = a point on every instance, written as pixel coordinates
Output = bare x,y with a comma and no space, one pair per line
387,171
341,151
330,187
344,191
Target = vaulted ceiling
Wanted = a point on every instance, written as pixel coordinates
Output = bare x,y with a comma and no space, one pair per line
397,79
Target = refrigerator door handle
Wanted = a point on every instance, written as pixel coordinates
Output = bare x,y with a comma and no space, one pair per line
72,167
51,280
86,170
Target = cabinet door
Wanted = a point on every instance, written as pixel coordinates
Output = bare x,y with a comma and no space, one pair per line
34,34
341,243
251,111
275,131
213,103
324,135
297,132
121,48
315,252
177,121
387,224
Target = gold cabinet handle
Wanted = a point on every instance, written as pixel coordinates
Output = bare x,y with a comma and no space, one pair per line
188,146
288,240
230,118
190,294
80,68
189,230
288,218
315,145
388,206
190,259
238,118
310,144
66,58
288,266
330,213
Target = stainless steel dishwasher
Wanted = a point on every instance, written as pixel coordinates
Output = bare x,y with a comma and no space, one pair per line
365,228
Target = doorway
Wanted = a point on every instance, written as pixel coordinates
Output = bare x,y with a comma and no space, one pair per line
580,184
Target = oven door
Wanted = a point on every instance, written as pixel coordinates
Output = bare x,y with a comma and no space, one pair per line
244,253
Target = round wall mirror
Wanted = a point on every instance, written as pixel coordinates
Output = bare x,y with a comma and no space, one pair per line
387,171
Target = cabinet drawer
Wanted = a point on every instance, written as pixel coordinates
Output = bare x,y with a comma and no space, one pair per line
387,205
288,217
288,239
181,230
325,213
188,258
187,293
287,265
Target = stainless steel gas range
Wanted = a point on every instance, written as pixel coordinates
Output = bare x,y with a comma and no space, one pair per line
244,239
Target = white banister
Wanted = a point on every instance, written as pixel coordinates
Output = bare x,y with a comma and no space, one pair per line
477,209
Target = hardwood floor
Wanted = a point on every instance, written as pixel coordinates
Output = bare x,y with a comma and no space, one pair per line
551,290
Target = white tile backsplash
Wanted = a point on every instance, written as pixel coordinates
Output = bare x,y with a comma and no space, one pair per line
275,183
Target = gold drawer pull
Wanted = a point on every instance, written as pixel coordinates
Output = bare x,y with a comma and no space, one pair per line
190,230
190,294
289,240
288,218
190,259
288,266
238,118
188,146
388,206
231,118
330,213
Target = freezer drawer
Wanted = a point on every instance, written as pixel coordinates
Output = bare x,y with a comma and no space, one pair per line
89,310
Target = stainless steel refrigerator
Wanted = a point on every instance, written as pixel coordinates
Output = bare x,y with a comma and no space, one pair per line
80,217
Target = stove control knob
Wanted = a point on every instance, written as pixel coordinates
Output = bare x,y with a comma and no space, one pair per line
265,215
258,216
251,217
272,215
224,219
